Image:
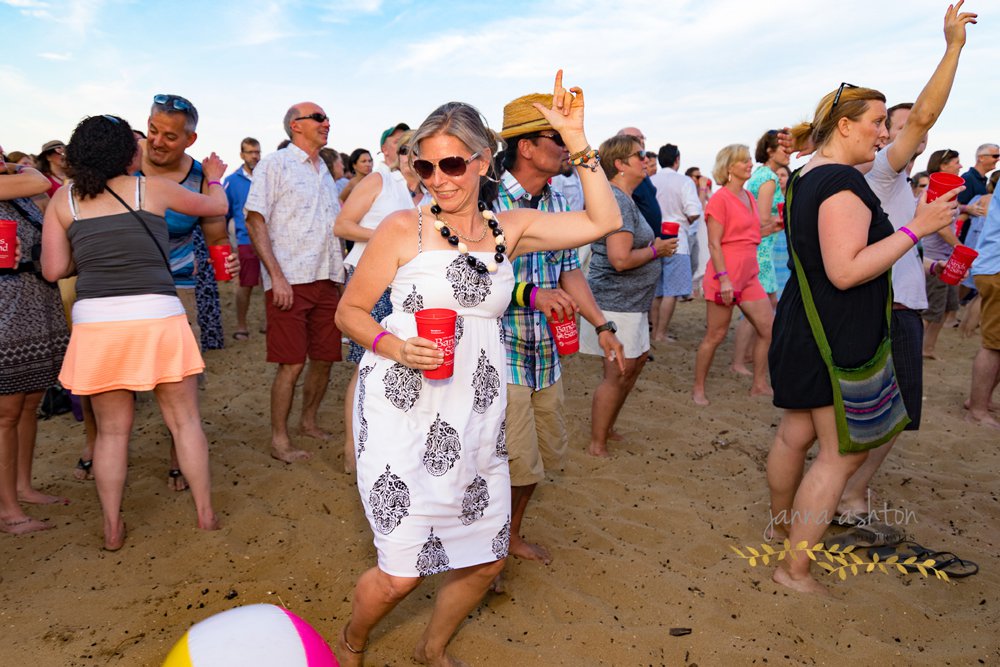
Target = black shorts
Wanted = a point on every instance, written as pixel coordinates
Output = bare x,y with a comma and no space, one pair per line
907,357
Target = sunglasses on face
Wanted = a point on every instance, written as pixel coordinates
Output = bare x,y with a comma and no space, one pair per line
555,138
454,166
175,102
840,91
995,156
403,150
316,116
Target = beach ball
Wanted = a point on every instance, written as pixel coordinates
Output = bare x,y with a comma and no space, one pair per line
257,635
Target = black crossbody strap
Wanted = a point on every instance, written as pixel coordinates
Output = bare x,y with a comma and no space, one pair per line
144,225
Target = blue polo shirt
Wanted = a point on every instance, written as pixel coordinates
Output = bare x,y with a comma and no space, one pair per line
644,197
237,187
975,184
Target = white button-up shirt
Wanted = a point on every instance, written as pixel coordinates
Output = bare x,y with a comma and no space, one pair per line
678,199
298,201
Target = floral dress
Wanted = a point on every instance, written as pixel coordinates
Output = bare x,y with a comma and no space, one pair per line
765,251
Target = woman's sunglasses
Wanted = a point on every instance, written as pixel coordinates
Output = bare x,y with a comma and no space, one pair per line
453,166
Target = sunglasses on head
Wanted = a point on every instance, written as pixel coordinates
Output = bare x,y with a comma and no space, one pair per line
556,138
840,91
454,166
316,116
948,155
175,102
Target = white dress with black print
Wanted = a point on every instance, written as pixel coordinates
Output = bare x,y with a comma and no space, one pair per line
432,454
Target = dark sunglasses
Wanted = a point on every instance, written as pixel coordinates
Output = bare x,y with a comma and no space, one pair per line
454,166
403,150
175,102
555,138
316,116
995,156
840,91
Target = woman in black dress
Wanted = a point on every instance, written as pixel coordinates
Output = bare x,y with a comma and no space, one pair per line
846,246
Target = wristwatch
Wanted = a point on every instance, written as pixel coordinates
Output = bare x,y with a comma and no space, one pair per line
607,326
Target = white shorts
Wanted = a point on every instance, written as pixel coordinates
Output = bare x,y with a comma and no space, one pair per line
633,332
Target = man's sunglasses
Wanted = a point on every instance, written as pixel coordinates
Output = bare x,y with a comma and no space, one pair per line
174,102
454,166
316,116
555,138
995,156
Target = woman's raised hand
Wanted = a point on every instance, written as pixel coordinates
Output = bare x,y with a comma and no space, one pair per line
214,167
566,113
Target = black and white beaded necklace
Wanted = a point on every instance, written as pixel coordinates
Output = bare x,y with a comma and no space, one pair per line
453,237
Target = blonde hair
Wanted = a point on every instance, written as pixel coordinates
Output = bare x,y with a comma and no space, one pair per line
618,147
726,158
852,104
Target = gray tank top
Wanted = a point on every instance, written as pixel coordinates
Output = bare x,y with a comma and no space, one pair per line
115,256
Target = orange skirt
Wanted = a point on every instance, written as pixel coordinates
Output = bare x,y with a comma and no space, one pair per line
136,355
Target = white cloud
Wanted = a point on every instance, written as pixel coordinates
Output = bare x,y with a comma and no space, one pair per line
48,55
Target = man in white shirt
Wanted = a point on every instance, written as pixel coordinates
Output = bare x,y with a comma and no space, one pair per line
678,199
908,125
290,212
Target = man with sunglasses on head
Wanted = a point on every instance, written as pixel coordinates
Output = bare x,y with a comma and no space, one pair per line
171,130
290,212
908,125
547,284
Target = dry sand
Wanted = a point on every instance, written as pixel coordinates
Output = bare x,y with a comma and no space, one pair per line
641,541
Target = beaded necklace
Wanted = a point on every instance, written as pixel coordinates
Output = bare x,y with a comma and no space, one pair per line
452,236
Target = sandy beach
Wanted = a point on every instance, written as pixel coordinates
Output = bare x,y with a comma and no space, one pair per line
641,541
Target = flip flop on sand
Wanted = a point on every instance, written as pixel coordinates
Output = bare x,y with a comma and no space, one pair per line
83,471
946,561
870,535
242,334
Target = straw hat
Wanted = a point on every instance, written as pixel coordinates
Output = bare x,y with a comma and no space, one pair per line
52,145
520,117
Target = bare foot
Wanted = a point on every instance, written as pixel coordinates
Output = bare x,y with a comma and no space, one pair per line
930,355
115,539
982,419
761,391
699,398
804,585
741,369
351,655
83,470
993,407
615,436
600,451
35,497
499,584
519,548
23,525
209,522
314,432
421,656
289,454
176,481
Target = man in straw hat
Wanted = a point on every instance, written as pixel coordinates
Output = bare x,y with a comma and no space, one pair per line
547,283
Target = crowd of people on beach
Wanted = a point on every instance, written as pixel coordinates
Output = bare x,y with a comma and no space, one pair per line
122,237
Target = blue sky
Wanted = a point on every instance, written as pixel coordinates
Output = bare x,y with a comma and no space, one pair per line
699,74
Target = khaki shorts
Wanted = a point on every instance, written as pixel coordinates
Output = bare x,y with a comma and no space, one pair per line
989,322
536,432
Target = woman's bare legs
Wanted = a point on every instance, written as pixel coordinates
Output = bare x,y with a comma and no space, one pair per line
609,397
375,595
785,464
815,499
718,318
350,464
27,431
113,411
12,518
90,430
761,316
742,344
179,406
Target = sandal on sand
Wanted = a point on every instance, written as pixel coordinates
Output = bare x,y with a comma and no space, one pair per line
946,561
85,469
871,535
174,475
242,334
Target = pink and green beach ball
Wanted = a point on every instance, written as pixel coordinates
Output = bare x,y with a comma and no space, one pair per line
257,635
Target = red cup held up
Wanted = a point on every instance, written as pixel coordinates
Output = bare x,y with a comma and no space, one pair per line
8,243
218,254
670,229
566,335
438,325
941,183
961,259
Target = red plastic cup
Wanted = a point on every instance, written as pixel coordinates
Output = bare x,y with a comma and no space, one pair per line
961,259
781,215
438,325
566,335
218,255
670,229
940,183
8,243
736,298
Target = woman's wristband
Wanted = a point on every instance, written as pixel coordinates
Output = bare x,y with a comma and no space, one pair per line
211,183
908,232
720,274
531,299
522,295
377,339
653,248
933,269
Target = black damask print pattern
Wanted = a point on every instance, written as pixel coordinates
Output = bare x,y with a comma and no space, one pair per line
389,500
363,430
501,543
402,386
469,287
459,329
475,501
502,441
432,558
413,302
443,448
206,296
485,384
503,336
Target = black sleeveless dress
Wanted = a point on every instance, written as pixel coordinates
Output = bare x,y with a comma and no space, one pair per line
853,319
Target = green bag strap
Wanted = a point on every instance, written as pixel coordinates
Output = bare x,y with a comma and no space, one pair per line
811,313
